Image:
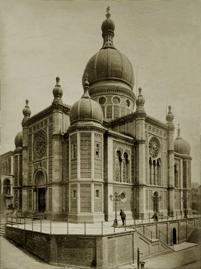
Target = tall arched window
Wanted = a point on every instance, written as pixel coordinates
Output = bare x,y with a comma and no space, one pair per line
126,167
118,166
176,175
156,202
150,171
154,172
159,171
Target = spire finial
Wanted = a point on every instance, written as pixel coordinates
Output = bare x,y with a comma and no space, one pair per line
108,30
108,14
57,80
86,86
169,109
26,111
57,92
178,130
140,91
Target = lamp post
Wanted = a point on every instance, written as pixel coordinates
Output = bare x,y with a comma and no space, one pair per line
116,198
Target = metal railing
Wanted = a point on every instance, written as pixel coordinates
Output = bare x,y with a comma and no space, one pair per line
99,228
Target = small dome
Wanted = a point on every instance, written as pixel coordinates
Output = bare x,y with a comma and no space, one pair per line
86,109
181,146
19,140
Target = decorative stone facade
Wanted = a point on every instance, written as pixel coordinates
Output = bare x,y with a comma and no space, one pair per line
72,161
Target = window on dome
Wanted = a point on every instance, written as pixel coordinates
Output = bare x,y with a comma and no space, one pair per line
74,194
116,100
128,103
102,100
109,112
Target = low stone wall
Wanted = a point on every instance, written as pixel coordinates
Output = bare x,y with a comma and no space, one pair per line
56,249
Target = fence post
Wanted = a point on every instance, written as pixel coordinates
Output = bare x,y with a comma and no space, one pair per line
85,231
24,223
67,225
101,227
125,224
41,225
32,224
143,229
151,235
50,226
159,234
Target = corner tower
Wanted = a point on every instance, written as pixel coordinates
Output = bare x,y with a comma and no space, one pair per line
110,75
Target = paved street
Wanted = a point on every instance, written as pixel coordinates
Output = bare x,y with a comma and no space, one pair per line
14,258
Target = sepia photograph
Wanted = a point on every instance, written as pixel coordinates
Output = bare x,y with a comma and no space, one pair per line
100,134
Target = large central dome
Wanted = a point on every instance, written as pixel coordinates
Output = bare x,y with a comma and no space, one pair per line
110,75
110,64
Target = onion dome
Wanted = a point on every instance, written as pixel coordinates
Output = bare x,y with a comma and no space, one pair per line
181,146
109,64
57,92
19,140
86,109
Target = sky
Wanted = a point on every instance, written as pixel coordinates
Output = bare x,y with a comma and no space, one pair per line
42,39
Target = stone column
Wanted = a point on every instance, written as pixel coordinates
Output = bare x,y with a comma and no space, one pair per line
170,141
141,151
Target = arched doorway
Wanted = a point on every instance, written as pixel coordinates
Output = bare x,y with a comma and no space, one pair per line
156,202
40,181
174,236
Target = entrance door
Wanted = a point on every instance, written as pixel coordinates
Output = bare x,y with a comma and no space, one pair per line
174,235
41,199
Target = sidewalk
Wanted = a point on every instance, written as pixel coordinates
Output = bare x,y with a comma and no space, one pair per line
171,260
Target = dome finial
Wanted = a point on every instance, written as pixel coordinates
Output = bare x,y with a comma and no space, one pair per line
26,111
108,30
86,86
57,92
108,15
140,102
169,116
57,80
178,130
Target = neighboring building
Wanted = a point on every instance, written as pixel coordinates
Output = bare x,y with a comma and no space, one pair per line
70,161
6,180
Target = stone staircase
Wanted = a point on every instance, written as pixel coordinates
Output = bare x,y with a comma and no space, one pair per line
2,227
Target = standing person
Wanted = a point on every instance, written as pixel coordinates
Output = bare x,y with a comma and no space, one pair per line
123,216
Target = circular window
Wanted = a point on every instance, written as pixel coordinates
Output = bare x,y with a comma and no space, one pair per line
154,147
116,100
102,100
128,103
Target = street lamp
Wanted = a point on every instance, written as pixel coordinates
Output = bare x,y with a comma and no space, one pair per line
116,198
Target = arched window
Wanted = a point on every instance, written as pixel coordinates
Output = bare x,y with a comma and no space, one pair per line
118,169
126,168
176,175
154,172
156,202
150,171
159,171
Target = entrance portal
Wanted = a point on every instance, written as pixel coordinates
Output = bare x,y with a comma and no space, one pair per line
174,236
41,199
40,180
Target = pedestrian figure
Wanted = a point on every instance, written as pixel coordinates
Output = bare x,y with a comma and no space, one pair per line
123,216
